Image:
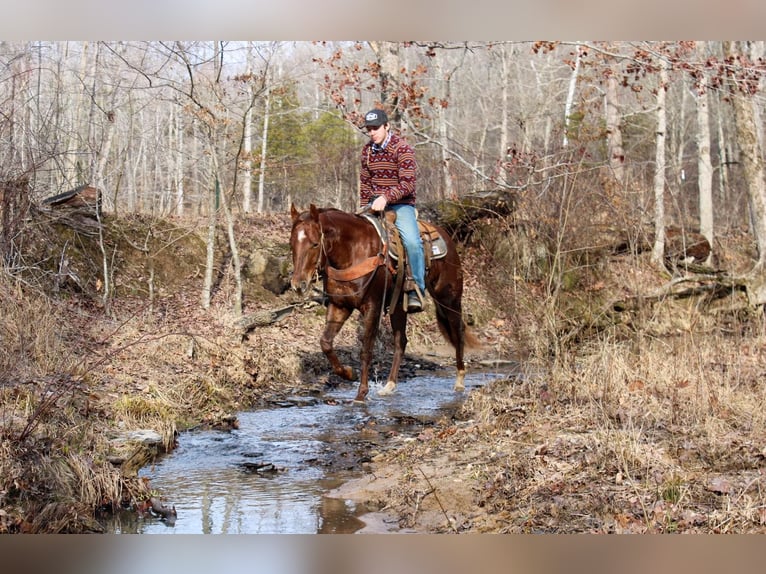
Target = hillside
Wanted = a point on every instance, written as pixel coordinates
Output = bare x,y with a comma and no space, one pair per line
640,417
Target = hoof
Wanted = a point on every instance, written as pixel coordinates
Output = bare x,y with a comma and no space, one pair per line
358,402
460,382
388,389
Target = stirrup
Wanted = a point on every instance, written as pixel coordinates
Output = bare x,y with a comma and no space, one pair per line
414,304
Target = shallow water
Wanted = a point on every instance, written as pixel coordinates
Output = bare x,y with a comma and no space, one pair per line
214,481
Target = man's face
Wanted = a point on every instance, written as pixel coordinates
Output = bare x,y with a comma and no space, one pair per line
377,134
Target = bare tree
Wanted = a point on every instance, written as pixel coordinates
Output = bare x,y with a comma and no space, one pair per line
658,251
704,163
615,150
743,87
571,94
264,148
387,54
247,141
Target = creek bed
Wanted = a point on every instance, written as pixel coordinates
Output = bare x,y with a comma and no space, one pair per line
272,474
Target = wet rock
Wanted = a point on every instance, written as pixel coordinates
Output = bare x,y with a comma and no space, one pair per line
167,513
295,401
265,468
147,437
136,449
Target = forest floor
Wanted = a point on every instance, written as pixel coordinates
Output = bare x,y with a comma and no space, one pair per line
652,422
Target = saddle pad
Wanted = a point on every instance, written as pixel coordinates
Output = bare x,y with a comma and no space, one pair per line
434,245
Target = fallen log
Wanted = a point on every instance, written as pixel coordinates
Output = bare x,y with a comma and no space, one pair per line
84,198
711,286
263,317
78,208
458,216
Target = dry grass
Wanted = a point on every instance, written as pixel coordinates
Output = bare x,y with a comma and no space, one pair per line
32,340
649,435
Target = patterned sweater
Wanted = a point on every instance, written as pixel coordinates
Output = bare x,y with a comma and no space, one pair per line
389,171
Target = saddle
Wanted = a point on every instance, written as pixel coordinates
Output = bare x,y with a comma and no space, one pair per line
434,247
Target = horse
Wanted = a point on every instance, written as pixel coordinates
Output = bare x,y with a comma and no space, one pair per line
357,272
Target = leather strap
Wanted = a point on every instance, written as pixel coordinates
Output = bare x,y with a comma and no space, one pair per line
360,269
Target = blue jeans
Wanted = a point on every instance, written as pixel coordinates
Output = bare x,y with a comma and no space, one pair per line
407,225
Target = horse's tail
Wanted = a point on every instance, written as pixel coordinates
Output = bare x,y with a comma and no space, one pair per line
470,341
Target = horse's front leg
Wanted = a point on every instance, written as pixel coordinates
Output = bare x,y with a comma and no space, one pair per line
336,317
399,330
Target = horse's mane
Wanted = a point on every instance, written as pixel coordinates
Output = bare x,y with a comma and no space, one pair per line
333,213
347,227
329,211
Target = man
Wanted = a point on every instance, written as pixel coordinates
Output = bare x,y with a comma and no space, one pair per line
387,182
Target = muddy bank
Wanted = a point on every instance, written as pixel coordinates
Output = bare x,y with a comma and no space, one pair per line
431,492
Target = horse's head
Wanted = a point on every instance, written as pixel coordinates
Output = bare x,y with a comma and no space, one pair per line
306,247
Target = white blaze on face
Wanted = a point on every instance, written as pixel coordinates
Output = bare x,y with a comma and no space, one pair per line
301,239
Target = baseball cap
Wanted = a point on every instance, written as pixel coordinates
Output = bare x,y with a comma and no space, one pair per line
375,118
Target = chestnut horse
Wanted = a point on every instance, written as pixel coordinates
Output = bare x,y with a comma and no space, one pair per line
347,253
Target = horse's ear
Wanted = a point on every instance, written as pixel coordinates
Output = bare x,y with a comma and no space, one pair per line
314,212
294,213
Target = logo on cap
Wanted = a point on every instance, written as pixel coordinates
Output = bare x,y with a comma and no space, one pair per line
375,118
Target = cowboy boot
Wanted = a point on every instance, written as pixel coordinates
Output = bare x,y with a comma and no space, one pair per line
413,299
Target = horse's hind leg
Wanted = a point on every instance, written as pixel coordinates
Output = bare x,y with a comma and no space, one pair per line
450,319
336,317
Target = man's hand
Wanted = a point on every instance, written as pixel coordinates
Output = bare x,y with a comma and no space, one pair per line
379,204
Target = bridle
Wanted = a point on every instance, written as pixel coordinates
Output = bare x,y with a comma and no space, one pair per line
319,267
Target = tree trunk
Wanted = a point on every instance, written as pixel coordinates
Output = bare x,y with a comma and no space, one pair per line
247,164
743,92
264,146
179,176
658,252
751,156
570,97
387,54
724,153
505,110
756,55
207,287
614,131
90,136
73,143
235,259
446,187
98,179
704,163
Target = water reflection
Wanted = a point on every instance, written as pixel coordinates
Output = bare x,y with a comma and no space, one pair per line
211,481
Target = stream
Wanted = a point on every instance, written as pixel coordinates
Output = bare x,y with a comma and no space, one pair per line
271,475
